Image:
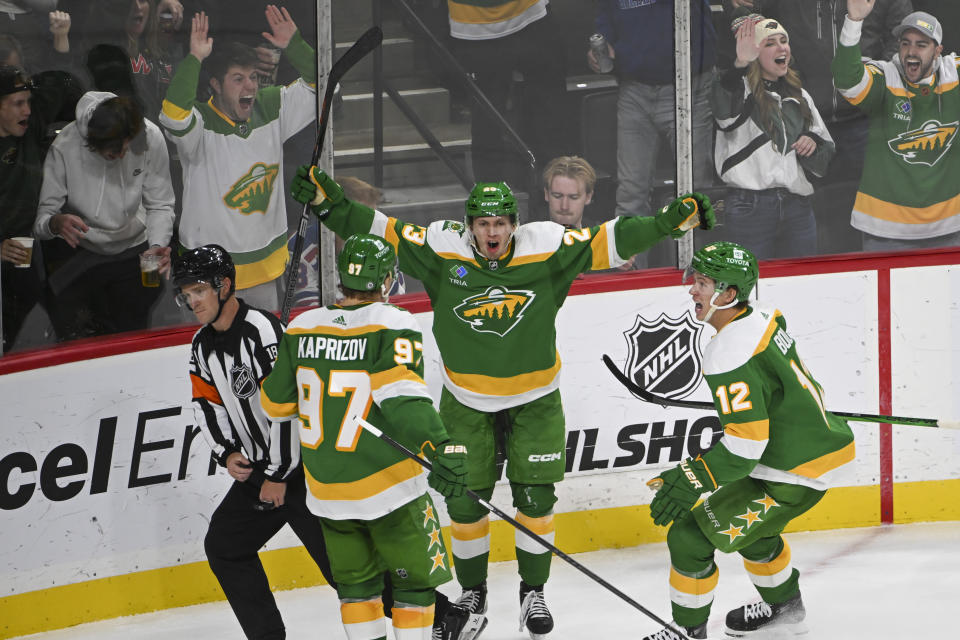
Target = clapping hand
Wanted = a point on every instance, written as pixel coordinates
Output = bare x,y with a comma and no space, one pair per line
201,45
859,9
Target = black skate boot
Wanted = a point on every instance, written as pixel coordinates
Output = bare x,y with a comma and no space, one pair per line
698,632
455,622
474,599
749,619
534,614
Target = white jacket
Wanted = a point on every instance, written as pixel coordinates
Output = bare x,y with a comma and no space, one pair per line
124,202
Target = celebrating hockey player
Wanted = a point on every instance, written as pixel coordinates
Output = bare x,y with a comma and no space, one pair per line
363,358
230,355
231,148
779,452
496,287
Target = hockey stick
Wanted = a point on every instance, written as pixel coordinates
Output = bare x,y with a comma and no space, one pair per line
560,554
366,43
693,404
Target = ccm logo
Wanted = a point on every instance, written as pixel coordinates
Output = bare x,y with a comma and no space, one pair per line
544,457
455,448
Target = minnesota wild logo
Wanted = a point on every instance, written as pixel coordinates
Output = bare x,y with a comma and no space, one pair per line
496,310
925,145
252,192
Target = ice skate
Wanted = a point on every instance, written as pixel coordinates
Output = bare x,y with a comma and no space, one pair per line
698,632
458,623
760,617
534,614
474,599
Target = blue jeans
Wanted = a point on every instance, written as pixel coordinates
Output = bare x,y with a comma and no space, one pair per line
644,112
772,223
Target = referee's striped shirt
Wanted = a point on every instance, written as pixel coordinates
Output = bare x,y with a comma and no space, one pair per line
226,368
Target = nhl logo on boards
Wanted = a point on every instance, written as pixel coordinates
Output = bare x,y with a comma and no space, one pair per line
664,355
244,384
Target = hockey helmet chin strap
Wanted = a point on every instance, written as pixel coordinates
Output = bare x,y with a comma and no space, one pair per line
714,307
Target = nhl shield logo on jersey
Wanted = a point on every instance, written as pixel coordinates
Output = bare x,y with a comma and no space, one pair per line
664,355
925,145
496,310
244,384
251,193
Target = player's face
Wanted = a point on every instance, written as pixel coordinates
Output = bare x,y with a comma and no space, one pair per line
201,298
492,234
116,151
917,53
14,114
566,197
702,291
774,57
235,95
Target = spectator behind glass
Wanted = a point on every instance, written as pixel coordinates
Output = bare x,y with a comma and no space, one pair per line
493,40
568,183
814,27
231,150
909,195
30,22
640,40
770,135
132,25
106,193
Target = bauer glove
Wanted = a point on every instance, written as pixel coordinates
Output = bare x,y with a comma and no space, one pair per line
684,213
313,186
449,474
678,489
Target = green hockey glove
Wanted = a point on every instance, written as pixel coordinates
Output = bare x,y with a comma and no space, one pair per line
678,489
685,213
313,186
449,474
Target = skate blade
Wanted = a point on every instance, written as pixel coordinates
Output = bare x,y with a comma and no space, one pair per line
777,632
475,625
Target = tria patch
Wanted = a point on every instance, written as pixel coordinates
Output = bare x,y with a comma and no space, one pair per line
664,355
252,192
925,145
244,384
496,310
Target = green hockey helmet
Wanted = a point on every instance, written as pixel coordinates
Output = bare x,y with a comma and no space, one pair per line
365,262
491,199
727,264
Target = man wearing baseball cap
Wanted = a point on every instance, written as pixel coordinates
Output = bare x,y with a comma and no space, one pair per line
909,197
21,171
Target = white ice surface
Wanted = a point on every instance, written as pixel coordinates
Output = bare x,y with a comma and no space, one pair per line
897,582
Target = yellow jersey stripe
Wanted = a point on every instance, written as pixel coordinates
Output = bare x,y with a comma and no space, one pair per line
541,526
819,466
509,386
471,14
693,586
250,275
413,617
174,112
365,487
471,530
359,612
876,208
756,430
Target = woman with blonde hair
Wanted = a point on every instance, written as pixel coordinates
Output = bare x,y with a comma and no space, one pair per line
770,138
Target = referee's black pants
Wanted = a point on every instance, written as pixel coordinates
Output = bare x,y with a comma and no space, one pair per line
237,532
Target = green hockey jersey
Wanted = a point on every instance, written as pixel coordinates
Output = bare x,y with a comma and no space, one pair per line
495,321
775,426
335,364
909,188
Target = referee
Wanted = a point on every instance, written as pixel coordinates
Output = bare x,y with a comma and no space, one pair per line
233,351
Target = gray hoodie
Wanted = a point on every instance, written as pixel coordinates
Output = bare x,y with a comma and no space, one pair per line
124,202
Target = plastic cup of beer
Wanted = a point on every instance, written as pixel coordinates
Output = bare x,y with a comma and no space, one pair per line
149,270
26,243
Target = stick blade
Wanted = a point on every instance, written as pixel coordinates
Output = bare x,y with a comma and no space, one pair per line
948,424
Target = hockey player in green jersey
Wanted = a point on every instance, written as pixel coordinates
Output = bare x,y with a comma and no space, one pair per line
779,452
363,358
496,288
